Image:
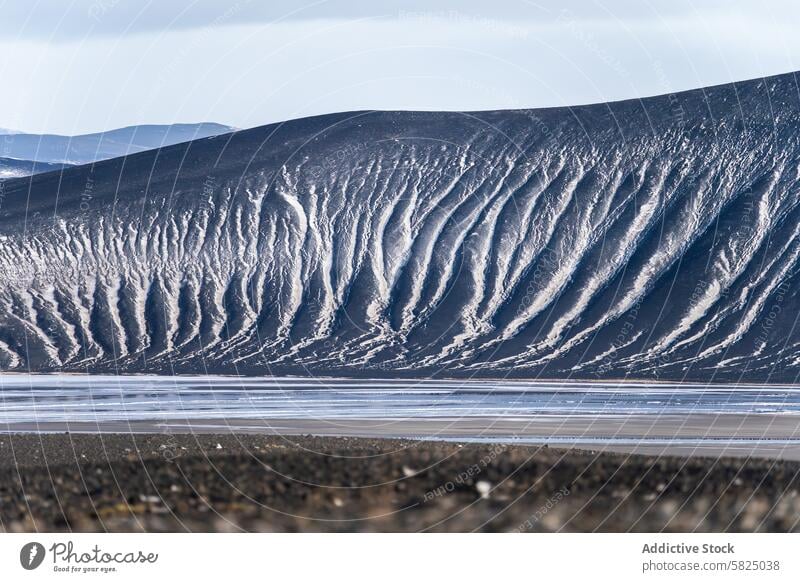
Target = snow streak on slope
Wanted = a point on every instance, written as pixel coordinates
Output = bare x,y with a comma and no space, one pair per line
655,238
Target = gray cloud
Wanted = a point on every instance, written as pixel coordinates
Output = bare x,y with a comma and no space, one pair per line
60,20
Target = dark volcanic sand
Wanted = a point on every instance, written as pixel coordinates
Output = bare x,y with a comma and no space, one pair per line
230,482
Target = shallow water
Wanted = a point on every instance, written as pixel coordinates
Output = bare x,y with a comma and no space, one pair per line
99,399
656,419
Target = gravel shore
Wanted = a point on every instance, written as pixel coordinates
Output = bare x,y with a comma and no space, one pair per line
207,482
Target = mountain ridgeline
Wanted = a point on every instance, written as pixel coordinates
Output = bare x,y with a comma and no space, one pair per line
52,152
13,168
651,239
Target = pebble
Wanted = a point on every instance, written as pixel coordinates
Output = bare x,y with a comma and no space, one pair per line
483,487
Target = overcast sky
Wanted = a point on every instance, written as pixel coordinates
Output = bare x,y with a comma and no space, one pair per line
76,66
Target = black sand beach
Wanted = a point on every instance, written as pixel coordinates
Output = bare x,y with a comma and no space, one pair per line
208,482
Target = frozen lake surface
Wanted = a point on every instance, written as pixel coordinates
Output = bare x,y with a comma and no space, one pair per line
73,398
623,416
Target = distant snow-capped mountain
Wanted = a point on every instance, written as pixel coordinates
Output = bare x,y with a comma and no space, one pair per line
11,168
85,149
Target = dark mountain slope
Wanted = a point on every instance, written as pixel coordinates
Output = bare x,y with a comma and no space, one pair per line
653,238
